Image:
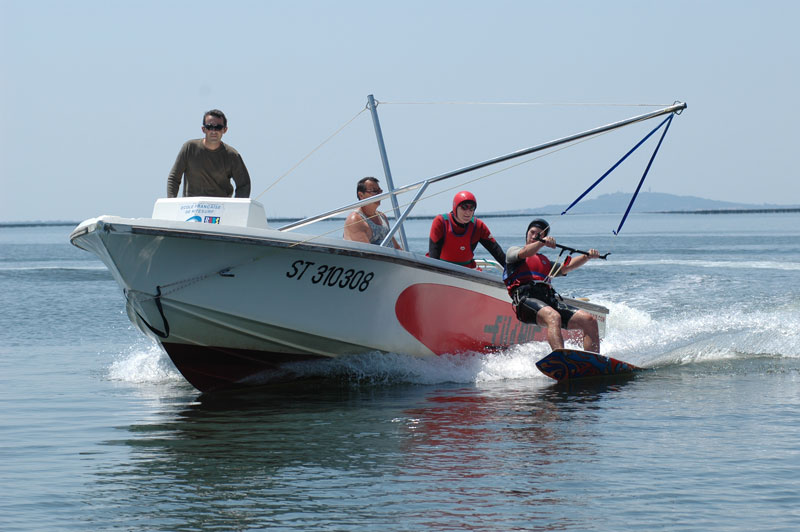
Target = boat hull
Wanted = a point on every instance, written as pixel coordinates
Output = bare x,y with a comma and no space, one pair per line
236,305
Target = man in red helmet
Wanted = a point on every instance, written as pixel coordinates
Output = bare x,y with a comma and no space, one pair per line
454,235
527,276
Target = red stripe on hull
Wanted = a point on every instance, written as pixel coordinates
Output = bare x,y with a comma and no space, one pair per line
448,319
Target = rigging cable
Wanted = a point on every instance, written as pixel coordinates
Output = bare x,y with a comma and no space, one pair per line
666,121
544,104
652,157
478,178
292,169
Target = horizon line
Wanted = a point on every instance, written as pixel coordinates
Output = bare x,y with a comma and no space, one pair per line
532,212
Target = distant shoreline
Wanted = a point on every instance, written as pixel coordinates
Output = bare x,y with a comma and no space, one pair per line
699,211
732,211
487,215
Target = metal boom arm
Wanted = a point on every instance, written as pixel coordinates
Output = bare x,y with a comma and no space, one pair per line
675,108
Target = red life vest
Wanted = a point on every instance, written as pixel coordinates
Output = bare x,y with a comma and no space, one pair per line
457,248
532,269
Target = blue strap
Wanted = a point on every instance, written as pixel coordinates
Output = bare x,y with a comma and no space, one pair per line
668,119
652,157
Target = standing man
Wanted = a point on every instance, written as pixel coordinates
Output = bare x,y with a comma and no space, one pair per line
455,235
207,165
367,223
527,277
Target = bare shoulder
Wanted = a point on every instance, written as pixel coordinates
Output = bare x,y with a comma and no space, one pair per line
354,217
355,228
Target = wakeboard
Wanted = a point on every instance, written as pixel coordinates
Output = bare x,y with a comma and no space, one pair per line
570,364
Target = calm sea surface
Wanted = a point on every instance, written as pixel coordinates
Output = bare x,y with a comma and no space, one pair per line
98,431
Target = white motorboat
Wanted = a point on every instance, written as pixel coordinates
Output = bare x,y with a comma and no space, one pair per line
232,300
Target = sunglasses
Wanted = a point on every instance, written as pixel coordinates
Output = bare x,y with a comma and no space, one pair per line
212,127
374,191
467,206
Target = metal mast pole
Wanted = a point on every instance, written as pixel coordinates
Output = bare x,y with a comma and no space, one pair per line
372,105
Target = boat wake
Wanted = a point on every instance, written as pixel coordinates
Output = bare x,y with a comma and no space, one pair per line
634,336
713,264
144,363
518,362
687,337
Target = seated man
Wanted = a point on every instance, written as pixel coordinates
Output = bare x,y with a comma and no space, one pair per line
455,235
367,223
527,277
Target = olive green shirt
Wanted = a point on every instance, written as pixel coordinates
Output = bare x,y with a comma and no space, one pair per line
208,172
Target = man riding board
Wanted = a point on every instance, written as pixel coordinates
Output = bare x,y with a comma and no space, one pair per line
527,276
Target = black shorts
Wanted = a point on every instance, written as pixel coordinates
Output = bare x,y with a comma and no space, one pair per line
529,299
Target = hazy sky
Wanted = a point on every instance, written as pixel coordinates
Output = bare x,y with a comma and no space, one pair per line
97,97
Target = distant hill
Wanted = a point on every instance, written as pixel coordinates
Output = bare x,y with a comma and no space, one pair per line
651,202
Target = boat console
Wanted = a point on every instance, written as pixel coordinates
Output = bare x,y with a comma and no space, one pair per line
241,212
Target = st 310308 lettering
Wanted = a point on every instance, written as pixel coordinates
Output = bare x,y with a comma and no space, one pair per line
333,276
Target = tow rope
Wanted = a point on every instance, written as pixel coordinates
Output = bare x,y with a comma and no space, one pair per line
666,121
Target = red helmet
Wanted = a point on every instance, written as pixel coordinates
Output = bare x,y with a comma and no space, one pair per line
463,196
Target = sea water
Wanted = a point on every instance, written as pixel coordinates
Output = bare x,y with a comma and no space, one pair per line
98,431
